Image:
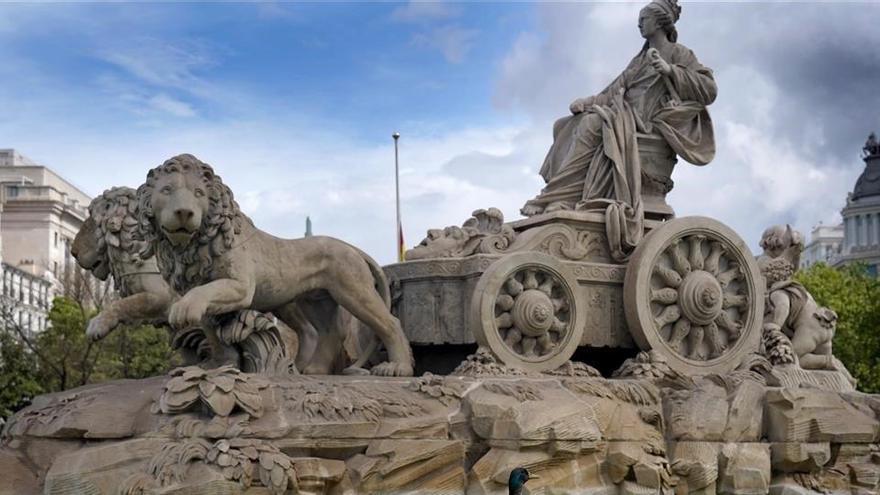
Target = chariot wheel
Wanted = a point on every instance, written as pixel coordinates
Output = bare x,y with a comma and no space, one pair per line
525,310
694,293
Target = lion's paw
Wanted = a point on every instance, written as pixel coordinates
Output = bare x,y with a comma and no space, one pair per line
355,371
392,369
100,326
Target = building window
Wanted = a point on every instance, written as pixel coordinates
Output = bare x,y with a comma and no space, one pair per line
56,239
858,239
12,191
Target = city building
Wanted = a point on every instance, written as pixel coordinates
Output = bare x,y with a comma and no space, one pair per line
857,238
40,214
824,246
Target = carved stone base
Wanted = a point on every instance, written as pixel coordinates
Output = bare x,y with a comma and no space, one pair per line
219,431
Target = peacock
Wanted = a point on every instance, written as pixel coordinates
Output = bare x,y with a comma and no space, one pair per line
517,480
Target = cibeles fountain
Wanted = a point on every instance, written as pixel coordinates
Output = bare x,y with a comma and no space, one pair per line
299,364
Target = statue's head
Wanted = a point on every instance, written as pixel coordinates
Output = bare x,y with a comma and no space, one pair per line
660,15
776,239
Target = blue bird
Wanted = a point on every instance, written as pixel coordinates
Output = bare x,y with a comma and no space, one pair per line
517,480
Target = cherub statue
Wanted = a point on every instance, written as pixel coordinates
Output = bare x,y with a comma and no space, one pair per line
791,309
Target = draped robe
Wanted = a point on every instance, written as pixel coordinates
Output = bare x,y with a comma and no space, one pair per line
594,160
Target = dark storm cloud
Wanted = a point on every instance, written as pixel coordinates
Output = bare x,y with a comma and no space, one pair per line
822,58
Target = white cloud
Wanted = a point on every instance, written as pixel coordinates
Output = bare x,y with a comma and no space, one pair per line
417,11
175,107
452,41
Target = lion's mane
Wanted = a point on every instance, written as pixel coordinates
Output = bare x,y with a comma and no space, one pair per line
115,215
188,266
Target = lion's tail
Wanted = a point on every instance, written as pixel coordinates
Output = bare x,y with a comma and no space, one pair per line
379,278
381,283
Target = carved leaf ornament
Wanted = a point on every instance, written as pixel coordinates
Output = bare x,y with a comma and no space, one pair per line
220,390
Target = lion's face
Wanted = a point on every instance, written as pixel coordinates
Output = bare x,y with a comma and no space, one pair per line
87,251
179,202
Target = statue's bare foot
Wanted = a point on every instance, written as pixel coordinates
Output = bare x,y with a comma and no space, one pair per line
531,209
392,369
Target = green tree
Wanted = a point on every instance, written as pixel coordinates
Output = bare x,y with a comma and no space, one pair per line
19,382
855,296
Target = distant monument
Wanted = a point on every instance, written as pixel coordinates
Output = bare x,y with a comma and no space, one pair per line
730,385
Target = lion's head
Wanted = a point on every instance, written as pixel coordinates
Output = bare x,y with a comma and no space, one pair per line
187,216
106,239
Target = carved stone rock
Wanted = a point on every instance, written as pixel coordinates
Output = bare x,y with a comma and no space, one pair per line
218,430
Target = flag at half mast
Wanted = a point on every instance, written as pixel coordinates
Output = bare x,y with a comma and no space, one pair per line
400,244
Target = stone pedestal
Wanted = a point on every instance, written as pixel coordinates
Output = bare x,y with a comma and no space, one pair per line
224,432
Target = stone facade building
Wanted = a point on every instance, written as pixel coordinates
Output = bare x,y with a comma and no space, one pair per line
40,214
824,246
857,238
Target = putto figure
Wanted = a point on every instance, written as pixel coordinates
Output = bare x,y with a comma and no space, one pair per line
213,255
594,161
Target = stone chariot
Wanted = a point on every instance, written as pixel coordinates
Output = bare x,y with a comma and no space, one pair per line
534,290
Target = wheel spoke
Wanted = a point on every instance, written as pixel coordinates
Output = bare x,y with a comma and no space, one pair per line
513,337
504,302
713,336
504,320
696,252
528,346
695,342
716,249
665,296
732,273
669,314
670,277
726,322
547,286
530,280
513,287
681,264
679,331
734,301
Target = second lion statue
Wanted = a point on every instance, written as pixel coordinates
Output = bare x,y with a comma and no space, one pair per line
212,254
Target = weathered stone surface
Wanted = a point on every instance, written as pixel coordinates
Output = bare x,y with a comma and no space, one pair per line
744,469
696,465
18,477
811,415
800,457
337,435
699,413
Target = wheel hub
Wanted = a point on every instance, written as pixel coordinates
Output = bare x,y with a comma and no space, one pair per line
533,313
701,297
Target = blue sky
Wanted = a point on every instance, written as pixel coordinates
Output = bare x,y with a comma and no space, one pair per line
294,104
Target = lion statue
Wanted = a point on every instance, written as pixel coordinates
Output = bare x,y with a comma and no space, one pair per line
105,245
213,255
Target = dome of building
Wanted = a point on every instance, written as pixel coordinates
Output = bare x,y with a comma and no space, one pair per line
868,183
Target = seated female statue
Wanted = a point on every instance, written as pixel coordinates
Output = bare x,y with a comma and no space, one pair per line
594,160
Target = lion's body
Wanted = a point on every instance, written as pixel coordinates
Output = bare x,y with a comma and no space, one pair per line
213,255
105,246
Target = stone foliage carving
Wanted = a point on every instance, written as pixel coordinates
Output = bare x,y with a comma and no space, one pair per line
220,390
796,329
484,233
212,254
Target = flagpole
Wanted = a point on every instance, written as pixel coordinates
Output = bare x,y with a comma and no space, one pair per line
399,233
